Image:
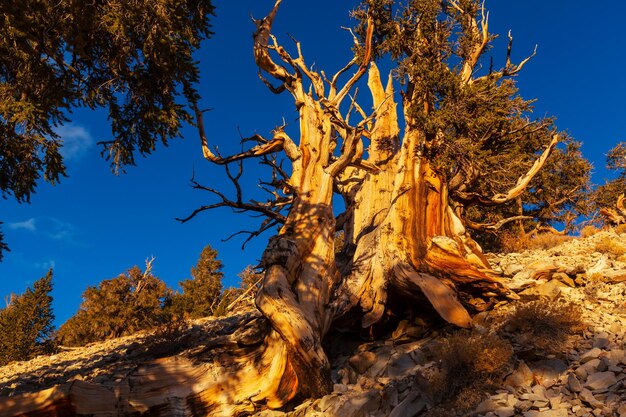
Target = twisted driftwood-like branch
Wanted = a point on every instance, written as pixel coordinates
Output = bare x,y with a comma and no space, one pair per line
520,185
617,215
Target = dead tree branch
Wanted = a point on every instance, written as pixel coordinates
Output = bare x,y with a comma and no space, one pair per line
520,186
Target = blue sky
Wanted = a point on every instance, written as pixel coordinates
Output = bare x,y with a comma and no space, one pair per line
94,225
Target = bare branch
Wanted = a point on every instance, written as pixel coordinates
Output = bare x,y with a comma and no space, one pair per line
244,294
266,225
509,69
316,79
520,186
367,56
480,31
275,90
352,149
492,227
615,216
261,41
266,209
620,204
281,141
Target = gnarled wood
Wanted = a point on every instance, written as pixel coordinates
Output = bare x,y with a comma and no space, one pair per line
402,233
615,216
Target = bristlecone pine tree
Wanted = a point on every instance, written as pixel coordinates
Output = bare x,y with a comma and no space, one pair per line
405,191
201,294
117,307
609,197
26,323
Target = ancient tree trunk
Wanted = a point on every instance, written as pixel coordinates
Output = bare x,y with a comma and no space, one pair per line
402,234
403,230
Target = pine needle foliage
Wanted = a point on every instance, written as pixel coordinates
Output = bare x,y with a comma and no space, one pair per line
118,307
203,292
132,58
26,323
606,194
476,130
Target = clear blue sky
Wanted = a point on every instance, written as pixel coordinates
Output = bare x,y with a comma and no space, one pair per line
93,226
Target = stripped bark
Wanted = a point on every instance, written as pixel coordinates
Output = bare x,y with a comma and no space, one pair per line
402,232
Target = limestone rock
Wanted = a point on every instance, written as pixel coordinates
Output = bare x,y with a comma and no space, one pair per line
573,384
600,380
522,376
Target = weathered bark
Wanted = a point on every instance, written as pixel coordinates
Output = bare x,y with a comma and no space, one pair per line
402,234
403,230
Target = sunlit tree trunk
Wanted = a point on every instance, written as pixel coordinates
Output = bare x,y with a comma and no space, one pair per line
402,234
403,230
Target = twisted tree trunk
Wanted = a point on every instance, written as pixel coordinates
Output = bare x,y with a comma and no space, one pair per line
402,235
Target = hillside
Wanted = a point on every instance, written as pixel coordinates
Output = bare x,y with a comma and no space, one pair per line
558,351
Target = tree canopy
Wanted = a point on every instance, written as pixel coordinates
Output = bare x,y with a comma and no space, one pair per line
26,323
606,194
117,307
133,58
202,293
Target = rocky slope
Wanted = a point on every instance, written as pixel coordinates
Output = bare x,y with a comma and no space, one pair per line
572,362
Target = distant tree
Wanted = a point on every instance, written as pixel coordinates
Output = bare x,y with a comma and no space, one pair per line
243,295
250,280
203,292
606,194
26,323
121,306
133,58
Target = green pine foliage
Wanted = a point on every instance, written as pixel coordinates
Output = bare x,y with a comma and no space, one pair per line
26,323
478,131
133,301
134,59
607,193
203,292
556,197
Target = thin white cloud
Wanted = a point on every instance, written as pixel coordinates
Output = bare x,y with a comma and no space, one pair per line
49,227
76,141
25,225
57,229
46,265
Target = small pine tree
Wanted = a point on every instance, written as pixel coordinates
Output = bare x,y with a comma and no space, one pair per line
121,306
606,195
242,296
202,293
26,323
250,281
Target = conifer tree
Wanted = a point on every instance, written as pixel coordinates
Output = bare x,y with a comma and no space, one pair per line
556,196
134,59
117,307
203,292
26,323
607,194
3,246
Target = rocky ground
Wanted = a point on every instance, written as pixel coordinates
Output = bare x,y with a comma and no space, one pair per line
571,363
